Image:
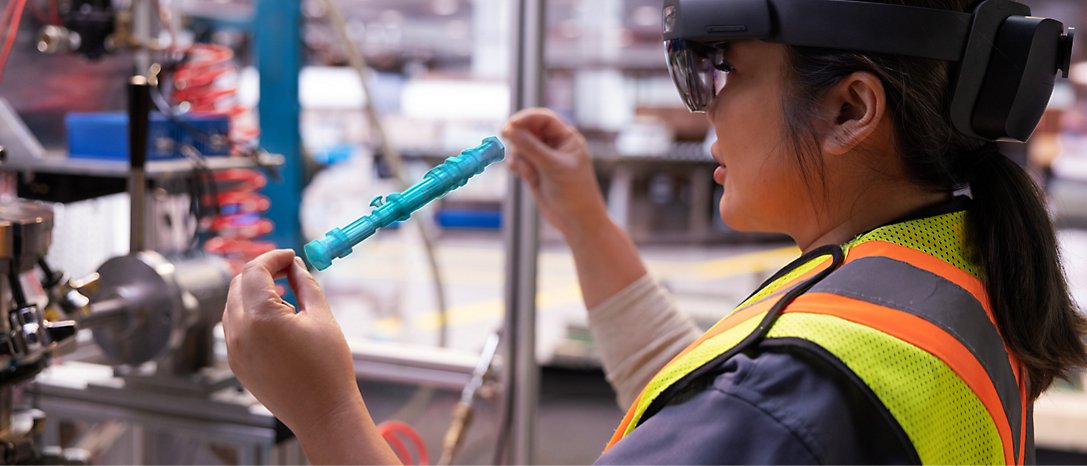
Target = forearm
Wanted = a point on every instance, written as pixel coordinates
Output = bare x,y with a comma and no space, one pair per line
605,258
346,436
637,331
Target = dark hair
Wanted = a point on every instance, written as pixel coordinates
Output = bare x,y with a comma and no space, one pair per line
1010,233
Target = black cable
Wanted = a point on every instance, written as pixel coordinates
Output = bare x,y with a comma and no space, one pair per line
17,293
50,277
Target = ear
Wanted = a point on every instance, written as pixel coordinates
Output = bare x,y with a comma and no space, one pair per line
857,106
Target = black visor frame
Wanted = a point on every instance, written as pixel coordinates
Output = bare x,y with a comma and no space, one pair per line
1004,60
695,26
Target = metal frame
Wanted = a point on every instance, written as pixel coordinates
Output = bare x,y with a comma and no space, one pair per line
89,392
521,379
278,33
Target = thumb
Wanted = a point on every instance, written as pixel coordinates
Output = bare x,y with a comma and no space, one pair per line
309,294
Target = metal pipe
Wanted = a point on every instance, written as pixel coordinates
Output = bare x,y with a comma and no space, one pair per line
139,110
521,379
143,21
106,313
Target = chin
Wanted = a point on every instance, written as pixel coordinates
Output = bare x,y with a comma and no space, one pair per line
735,218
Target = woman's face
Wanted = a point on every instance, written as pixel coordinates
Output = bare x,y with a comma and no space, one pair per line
763,186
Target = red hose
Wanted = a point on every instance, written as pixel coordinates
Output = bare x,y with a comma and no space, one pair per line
198,81
13,15
391,429
239,223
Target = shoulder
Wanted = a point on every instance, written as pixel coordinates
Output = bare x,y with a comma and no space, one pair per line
776,404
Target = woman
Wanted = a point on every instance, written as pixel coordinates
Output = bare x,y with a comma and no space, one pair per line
918,326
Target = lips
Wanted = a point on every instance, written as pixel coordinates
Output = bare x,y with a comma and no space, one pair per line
719,175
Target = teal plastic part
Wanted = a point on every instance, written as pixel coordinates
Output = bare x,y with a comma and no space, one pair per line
437,182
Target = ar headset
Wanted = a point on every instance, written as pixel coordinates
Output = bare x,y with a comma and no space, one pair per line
1006,60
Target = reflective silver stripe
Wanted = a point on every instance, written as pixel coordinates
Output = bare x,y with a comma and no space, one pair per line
895,284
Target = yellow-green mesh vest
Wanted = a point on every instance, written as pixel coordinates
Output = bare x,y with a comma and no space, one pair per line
907,315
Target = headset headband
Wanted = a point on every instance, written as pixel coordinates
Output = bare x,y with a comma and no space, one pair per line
835,24
994,95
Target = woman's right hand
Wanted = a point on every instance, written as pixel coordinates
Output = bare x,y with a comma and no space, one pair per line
553,159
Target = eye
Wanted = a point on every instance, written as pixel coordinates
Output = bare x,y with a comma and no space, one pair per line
723,65
720,62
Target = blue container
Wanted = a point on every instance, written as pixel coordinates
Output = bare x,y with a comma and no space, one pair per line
104,135
481,219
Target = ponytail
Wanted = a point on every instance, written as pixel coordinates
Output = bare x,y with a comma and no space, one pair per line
1010,234
1014,243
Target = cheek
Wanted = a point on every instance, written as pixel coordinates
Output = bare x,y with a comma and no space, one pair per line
763,185
762,181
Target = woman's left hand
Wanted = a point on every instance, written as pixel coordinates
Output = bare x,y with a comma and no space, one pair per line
297,364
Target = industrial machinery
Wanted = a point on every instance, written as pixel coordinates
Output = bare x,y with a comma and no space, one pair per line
27,340
183,153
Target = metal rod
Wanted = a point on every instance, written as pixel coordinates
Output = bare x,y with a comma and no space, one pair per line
139,110
105,313
142,24
277,31
521,378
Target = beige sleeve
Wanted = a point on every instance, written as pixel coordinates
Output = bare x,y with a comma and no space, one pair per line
638,330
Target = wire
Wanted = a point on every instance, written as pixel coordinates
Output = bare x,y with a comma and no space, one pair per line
196,78
339,24
13,30
41,16
5,20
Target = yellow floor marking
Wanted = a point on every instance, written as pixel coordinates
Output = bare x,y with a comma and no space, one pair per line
764,261
483,310
758,262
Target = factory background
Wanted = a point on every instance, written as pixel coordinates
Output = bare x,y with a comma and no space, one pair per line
320,106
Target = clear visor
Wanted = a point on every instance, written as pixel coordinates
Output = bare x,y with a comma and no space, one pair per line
693,70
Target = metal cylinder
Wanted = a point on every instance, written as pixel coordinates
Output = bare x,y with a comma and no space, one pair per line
29,228
55,39
105,313
522,374
147,305
139,109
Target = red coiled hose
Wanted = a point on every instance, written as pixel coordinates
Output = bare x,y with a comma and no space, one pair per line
200,81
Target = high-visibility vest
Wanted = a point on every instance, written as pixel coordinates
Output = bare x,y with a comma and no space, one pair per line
904,311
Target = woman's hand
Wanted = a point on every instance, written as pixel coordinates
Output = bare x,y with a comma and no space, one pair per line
298,364
551,156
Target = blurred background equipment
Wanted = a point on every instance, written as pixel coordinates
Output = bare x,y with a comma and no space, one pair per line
28,341
269,123
185,156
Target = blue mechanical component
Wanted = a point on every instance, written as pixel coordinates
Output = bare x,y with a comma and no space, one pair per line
438,182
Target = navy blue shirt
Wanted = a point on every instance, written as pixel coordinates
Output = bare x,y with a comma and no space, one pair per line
772,405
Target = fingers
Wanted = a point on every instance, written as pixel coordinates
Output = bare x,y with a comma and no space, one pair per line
524,170
529,149
233,310
257,285
541,122
309,294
